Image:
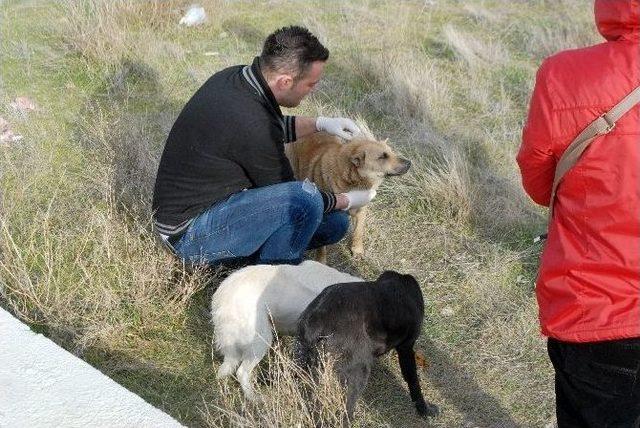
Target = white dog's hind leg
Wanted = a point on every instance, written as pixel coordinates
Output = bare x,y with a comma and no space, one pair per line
244,376
253,354
228,366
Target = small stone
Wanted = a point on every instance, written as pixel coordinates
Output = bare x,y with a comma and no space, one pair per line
448,311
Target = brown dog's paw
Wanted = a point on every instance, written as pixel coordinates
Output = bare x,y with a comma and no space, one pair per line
357,251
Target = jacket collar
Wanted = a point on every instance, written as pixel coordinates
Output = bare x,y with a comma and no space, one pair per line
254,76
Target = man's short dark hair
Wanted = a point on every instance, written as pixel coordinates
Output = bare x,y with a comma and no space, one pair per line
292,49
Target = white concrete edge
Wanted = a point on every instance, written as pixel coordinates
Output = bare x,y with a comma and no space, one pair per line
43,385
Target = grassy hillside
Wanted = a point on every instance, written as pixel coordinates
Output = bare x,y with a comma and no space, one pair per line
446,81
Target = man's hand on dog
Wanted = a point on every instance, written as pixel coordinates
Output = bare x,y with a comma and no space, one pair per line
339,126
354,199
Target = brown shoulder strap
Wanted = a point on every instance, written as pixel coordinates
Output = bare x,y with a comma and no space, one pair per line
601,126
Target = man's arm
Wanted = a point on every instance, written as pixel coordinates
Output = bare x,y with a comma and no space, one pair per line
305,125
536,158
340,126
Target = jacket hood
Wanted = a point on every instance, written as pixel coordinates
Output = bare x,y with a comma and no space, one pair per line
618,19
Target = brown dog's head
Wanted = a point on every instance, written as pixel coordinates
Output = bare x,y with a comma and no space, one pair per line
375,159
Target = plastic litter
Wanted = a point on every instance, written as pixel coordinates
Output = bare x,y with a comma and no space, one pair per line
23,105
4,125
6,134
195,16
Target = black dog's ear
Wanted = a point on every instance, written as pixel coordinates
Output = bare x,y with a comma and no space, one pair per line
389,275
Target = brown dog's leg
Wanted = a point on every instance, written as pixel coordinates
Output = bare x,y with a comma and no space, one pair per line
357,243
321,255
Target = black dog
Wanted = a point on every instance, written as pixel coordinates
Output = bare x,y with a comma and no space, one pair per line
360,321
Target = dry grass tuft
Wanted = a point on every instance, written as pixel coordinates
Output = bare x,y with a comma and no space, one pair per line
291,397
100,30
473,50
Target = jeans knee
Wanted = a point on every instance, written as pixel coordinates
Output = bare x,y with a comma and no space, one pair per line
306,201
342,223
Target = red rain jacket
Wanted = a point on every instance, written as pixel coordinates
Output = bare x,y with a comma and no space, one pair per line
588,286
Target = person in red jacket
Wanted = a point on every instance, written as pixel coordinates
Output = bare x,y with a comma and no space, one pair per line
588,286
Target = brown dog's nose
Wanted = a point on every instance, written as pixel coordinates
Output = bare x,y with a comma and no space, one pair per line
406,164
402,168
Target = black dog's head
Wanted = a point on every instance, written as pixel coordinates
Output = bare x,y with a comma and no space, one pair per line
402,286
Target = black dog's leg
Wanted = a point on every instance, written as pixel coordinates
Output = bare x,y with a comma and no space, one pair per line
407,360
354,376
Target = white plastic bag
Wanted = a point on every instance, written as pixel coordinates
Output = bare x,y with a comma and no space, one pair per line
195,16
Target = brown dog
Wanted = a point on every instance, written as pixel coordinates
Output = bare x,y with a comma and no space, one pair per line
359,164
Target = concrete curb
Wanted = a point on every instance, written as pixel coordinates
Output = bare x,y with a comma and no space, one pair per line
42,385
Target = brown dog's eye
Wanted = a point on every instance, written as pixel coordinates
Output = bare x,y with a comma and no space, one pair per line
384,155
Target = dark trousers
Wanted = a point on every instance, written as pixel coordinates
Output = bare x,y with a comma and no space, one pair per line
597,384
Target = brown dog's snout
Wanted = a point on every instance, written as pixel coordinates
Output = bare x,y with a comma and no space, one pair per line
403,167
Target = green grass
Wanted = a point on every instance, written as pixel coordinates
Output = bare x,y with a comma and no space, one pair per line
447,83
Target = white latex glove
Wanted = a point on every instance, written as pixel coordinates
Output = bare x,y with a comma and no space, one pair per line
340,126
359,198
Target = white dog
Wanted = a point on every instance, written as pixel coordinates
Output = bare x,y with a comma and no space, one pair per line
250,299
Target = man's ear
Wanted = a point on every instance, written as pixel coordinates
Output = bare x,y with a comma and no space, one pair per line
284,81
358,159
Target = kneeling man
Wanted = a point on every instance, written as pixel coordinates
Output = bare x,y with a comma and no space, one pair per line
225,190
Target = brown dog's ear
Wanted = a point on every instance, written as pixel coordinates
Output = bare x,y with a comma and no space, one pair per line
358,159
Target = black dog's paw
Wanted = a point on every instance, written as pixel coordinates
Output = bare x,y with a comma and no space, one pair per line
427,409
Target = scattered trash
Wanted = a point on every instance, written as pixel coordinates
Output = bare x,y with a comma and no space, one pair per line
195,16
421,360
23,105
211,53
521,279
6,134
4,125
10,137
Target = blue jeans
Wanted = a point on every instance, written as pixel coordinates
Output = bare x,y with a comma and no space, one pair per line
272,224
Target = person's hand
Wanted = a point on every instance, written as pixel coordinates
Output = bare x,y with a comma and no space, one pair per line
340,126
359,198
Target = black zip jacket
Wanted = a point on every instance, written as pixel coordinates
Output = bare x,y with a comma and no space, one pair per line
229,136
